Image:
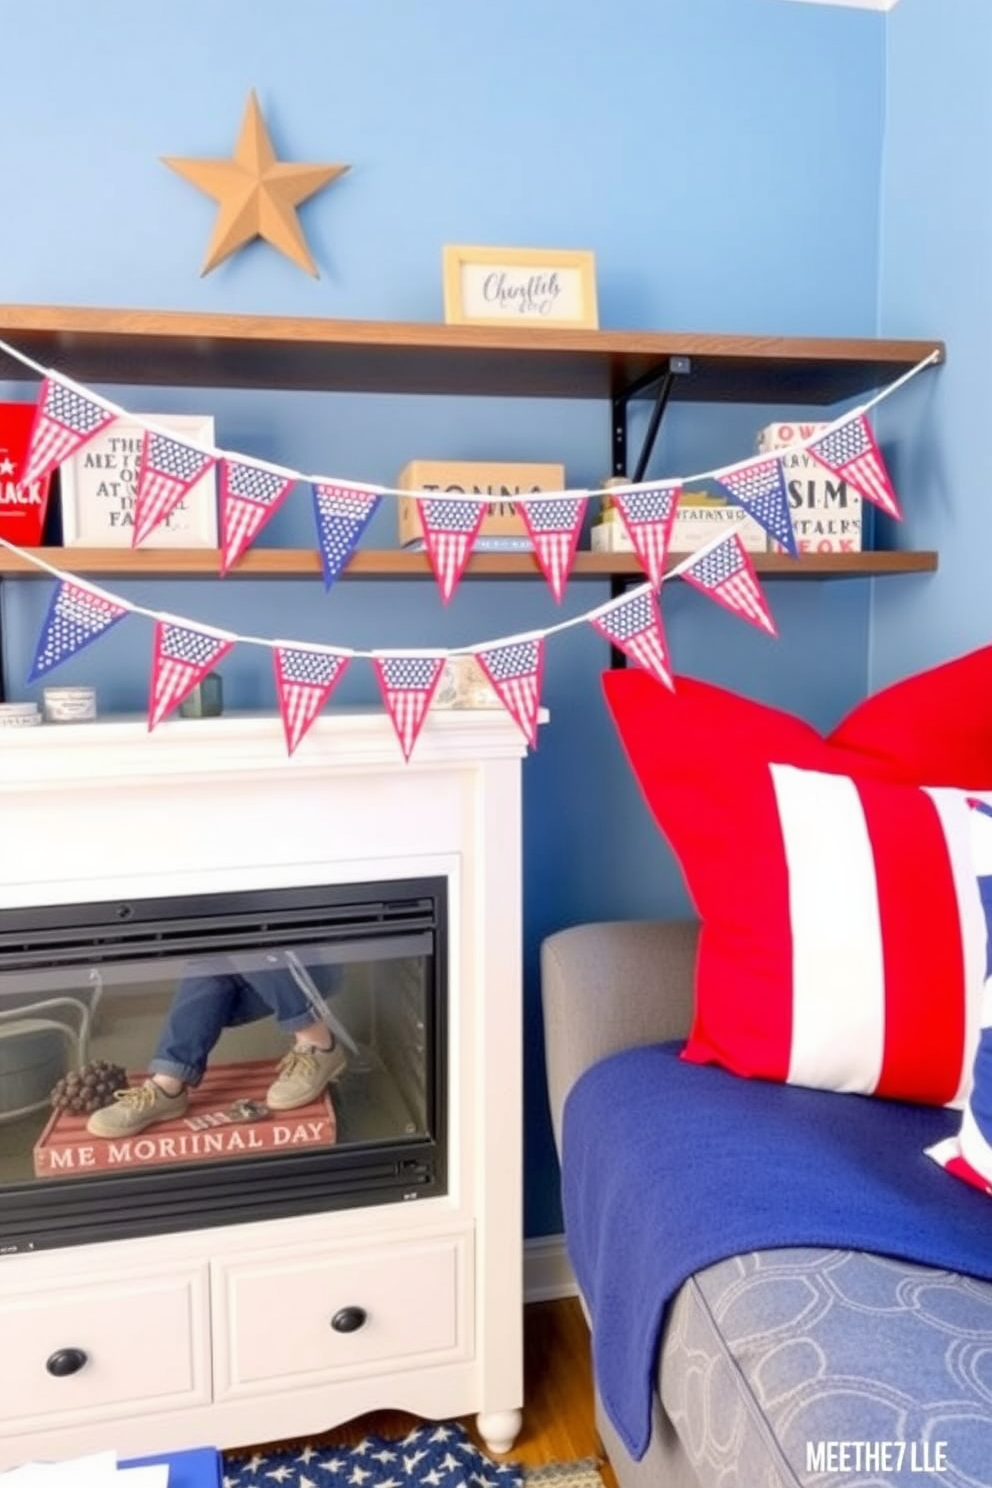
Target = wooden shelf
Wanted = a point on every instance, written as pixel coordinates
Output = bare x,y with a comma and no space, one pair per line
177,348
288,563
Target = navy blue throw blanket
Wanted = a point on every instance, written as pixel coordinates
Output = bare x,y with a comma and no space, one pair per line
669,1167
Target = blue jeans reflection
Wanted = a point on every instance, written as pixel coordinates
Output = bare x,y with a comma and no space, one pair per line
214,995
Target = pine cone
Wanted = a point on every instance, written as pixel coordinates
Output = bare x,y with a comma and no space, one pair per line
89,1088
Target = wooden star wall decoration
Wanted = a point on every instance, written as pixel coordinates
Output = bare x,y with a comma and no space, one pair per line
257,194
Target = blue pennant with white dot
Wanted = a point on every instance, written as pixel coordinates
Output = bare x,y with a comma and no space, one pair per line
430,1456
76,616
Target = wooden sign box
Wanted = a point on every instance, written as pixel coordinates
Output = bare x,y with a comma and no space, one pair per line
66,1149
499,482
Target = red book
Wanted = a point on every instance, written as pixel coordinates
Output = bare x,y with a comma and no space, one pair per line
22,508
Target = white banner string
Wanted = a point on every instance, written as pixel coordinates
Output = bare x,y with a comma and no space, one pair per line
329,647
535,498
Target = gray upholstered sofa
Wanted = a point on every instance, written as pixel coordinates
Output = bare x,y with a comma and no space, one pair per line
766,1356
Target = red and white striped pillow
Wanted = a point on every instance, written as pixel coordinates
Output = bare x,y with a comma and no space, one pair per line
842,941
859,964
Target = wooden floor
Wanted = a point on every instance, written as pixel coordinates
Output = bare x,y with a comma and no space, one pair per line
558,1412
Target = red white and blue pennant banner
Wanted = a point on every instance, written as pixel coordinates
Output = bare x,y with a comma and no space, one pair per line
251,491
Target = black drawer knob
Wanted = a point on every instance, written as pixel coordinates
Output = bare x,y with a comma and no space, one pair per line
65,1361
348,1319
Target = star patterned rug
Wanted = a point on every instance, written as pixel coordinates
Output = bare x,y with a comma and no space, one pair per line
430,1456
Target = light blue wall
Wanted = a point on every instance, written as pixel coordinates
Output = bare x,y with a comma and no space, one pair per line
687,142
936,279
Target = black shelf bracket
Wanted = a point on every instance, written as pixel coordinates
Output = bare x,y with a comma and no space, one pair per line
664,376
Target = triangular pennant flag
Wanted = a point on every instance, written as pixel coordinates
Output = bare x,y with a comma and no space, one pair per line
64,419
554,528
648,517
76,616
851,451
342,514
408,684
634,625
726,574
515,671
167,470
759,487
183,654
305,679
451,525
249,496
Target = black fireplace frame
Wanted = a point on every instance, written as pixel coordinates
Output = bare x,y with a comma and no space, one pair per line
59,1212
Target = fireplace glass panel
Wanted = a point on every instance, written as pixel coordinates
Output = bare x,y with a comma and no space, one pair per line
218,994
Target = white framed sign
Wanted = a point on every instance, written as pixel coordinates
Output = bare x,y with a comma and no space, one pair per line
100,481
504,286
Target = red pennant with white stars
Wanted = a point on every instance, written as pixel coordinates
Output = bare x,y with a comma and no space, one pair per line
305,679
169,468
408,684
249,496
515,672
649,517
183,655
451,525
725,572
554,526
64,420
633,624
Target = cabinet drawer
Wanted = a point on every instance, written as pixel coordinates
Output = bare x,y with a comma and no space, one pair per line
312,1316
144,1341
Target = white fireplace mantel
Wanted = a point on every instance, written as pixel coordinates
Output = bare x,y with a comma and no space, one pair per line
90,812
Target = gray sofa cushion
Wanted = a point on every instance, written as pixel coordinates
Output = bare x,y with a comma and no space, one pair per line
767,1355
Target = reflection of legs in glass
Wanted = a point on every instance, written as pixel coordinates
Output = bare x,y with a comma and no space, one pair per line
206,1002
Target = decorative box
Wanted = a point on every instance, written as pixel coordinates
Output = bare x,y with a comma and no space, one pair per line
826,512
500,482
464,684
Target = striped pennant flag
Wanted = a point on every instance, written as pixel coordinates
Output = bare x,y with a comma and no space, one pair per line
726,574
305,679
634,625
851,451
451,525
64,420
183,654
167,470
759,488
408,684
515,672
648,517
76,615
554,528
342,514
249,496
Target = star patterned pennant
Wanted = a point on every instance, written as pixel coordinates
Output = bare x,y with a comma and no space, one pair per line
342,514
167,470
408,684
760,489
726,574
515,672
648,517
451,525
554,528
249,496
633,624
77,615
305,679
430,1456
851,451
183,654
64,421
